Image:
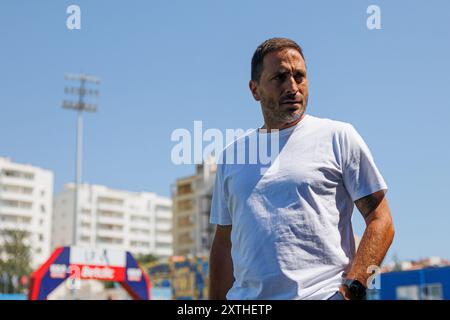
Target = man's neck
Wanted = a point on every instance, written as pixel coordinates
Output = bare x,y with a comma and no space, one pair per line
271,127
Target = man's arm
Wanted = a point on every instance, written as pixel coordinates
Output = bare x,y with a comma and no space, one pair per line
377,237
220,264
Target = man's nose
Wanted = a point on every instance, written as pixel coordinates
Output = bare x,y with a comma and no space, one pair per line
291,85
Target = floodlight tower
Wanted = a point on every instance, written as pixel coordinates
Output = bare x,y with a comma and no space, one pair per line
82,91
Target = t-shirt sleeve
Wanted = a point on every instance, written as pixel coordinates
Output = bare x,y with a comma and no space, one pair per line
361,175
219,207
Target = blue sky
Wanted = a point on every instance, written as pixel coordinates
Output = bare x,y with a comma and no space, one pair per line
164,64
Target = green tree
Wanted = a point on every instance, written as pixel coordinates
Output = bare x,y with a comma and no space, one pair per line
144,259
15,258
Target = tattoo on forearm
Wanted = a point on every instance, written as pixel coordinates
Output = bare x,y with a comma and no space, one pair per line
369,203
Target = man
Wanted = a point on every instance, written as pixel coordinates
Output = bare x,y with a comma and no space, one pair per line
286,233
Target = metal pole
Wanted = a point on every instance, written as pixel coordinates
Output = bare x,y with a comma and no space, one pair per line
78,168
79,106
79,157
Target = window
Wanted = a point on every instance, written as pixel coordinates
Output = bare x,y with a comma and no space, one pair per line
140,219
109,227
432,291
108,240
185,221
185,238
14,219
17,189
5,218
113,201
18,174
140,244
184,205
109,214
139,231
16,204
25,219
85,225
407,292
429,291
184,189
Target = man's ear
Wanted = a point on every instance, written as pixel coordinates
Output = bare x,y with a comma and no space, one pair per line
254,89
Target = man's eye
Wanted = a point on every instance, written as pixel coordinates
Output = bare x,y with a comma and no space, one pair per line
299,78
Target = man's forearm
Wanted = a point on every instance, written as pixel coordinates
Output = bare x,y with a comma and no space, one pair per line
372,249
220,272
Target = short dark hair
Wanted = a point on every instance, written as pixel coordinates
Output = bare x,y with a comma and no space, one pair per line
270,45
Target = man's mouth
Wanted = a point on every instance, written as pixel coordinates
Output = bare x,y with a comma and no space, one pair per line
291,105
291,102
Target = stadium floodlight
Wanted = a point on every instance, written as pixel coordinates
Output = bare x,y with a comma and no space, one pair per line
82,92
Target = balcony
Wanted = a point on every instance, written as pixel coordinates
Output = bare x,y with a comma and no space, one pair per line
185,239
110,220
108,198
185,245
140,245
117,234
19,226
17,181
84,219
137,221
164,238
164,251
118,208
163,215
16,211
16,196
139,237
163,226
107,244
185,228
185,222
84,232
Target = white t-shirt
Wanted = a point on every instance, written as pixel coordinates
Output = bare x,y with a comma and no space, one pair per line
292,236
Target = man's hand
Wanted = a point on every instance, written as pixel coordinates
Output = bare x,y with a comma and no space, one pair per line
343,290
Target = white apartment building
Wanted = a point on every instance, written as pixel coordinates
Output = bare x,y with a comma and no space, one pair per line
137,222
26,195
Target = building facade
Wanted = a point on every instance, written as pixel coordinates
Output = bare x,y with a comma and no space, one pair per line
137,222
26,195
192,195
430,283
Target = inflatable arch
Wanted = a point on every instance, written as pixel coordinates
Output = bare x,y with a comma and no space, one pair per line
86,263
